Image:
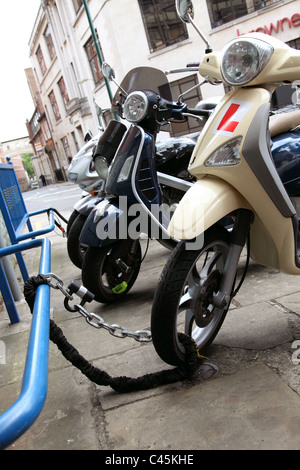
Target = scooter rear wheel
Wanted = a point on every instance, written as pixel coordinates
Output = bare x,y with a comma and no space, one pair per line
105,277
183,299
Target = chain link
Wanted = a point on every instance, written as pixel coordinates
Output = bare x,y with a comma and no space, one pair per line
115,330
95,320
59,285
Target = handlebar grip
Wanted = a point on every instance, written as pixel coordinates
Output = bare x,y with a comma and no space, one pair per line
193,64
200,112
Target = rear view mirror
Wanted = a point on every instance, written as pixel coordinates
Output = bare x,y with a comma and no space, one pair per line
185,10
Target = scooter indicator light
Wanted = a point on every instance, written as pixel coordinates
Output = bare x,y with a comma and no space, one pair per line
226,155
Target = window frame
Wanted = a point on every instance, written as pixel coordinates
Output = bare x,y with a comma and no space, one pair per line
159,28
41,60
49,42
63,91
217,18
77,4
54,106
94,61
191,125
66,147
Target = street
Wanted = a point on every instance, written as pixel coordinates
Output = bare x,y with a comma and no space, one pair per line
61,196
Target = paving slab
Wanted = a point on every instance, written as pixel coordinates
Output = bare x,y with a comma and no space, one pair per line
66,421
258,326
252,402
244,411
290,302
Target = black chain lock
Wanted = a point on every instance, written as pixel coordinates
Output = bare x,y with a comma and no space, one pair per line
80,291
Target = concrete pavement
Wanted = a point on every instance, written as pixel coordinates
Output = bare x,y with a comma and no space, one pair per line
250,399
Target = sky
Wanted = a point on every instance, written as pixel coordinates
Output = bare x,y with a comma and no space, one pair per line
17,19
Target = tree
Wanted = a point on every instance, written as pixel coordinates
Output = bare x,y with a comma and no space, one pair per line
26,157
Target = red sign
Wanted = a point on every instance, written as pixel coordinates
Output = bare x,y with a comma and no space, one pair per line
231,115
277,26
226,124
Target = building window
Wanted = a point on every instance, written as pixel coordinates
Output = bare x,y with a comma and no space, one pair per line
63,91
223,11
49,42
54,106
178,87
94,61
77,5
75,141
45,130
66,148
162,24
41,60
295,43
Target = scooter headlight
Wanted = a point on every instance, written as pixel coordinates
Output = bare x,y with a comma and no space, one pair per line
101,166
73,177
135,106
244,59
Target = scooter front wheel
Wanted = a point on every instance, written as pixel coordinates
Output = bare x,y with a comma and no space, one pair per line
72,218
109,272
183,299
76,250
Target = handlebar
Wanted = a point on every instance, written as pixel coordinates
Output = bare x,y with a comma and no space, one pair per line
185,69
199,112
171,110
191,67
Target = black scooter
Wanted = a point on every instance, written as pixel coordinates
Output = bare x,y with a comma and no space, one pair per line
139,198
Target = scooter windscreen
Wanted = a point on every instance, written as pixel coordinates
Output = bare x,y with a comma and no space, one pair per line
142,78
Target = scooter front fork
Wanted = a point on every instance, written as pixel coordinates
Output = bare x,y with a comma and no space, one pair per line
239,235
119,260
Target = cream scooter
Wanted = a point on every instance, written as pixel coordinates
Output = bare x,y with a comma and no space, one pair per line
236,177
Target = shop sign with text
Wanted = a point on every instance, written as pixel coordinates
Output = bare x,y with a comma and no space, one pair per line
277,25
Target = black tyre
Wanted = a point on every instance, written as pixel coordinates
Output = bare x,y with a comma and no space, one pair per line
72,217
103,270
76,250
183,299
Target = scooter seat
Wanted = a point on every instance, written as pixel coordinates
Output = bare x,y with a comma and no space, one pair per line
284,122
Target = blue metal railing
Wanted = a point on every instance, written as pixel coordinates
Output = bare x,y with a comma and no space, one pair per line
21,415
16,219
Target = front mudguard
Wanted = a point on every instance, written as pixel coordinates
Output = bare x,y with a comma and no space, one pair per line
205,203
105,224
86,204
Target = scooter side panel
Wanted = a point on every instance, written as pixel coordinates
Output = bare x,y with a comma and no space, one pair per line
277,223
205,203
